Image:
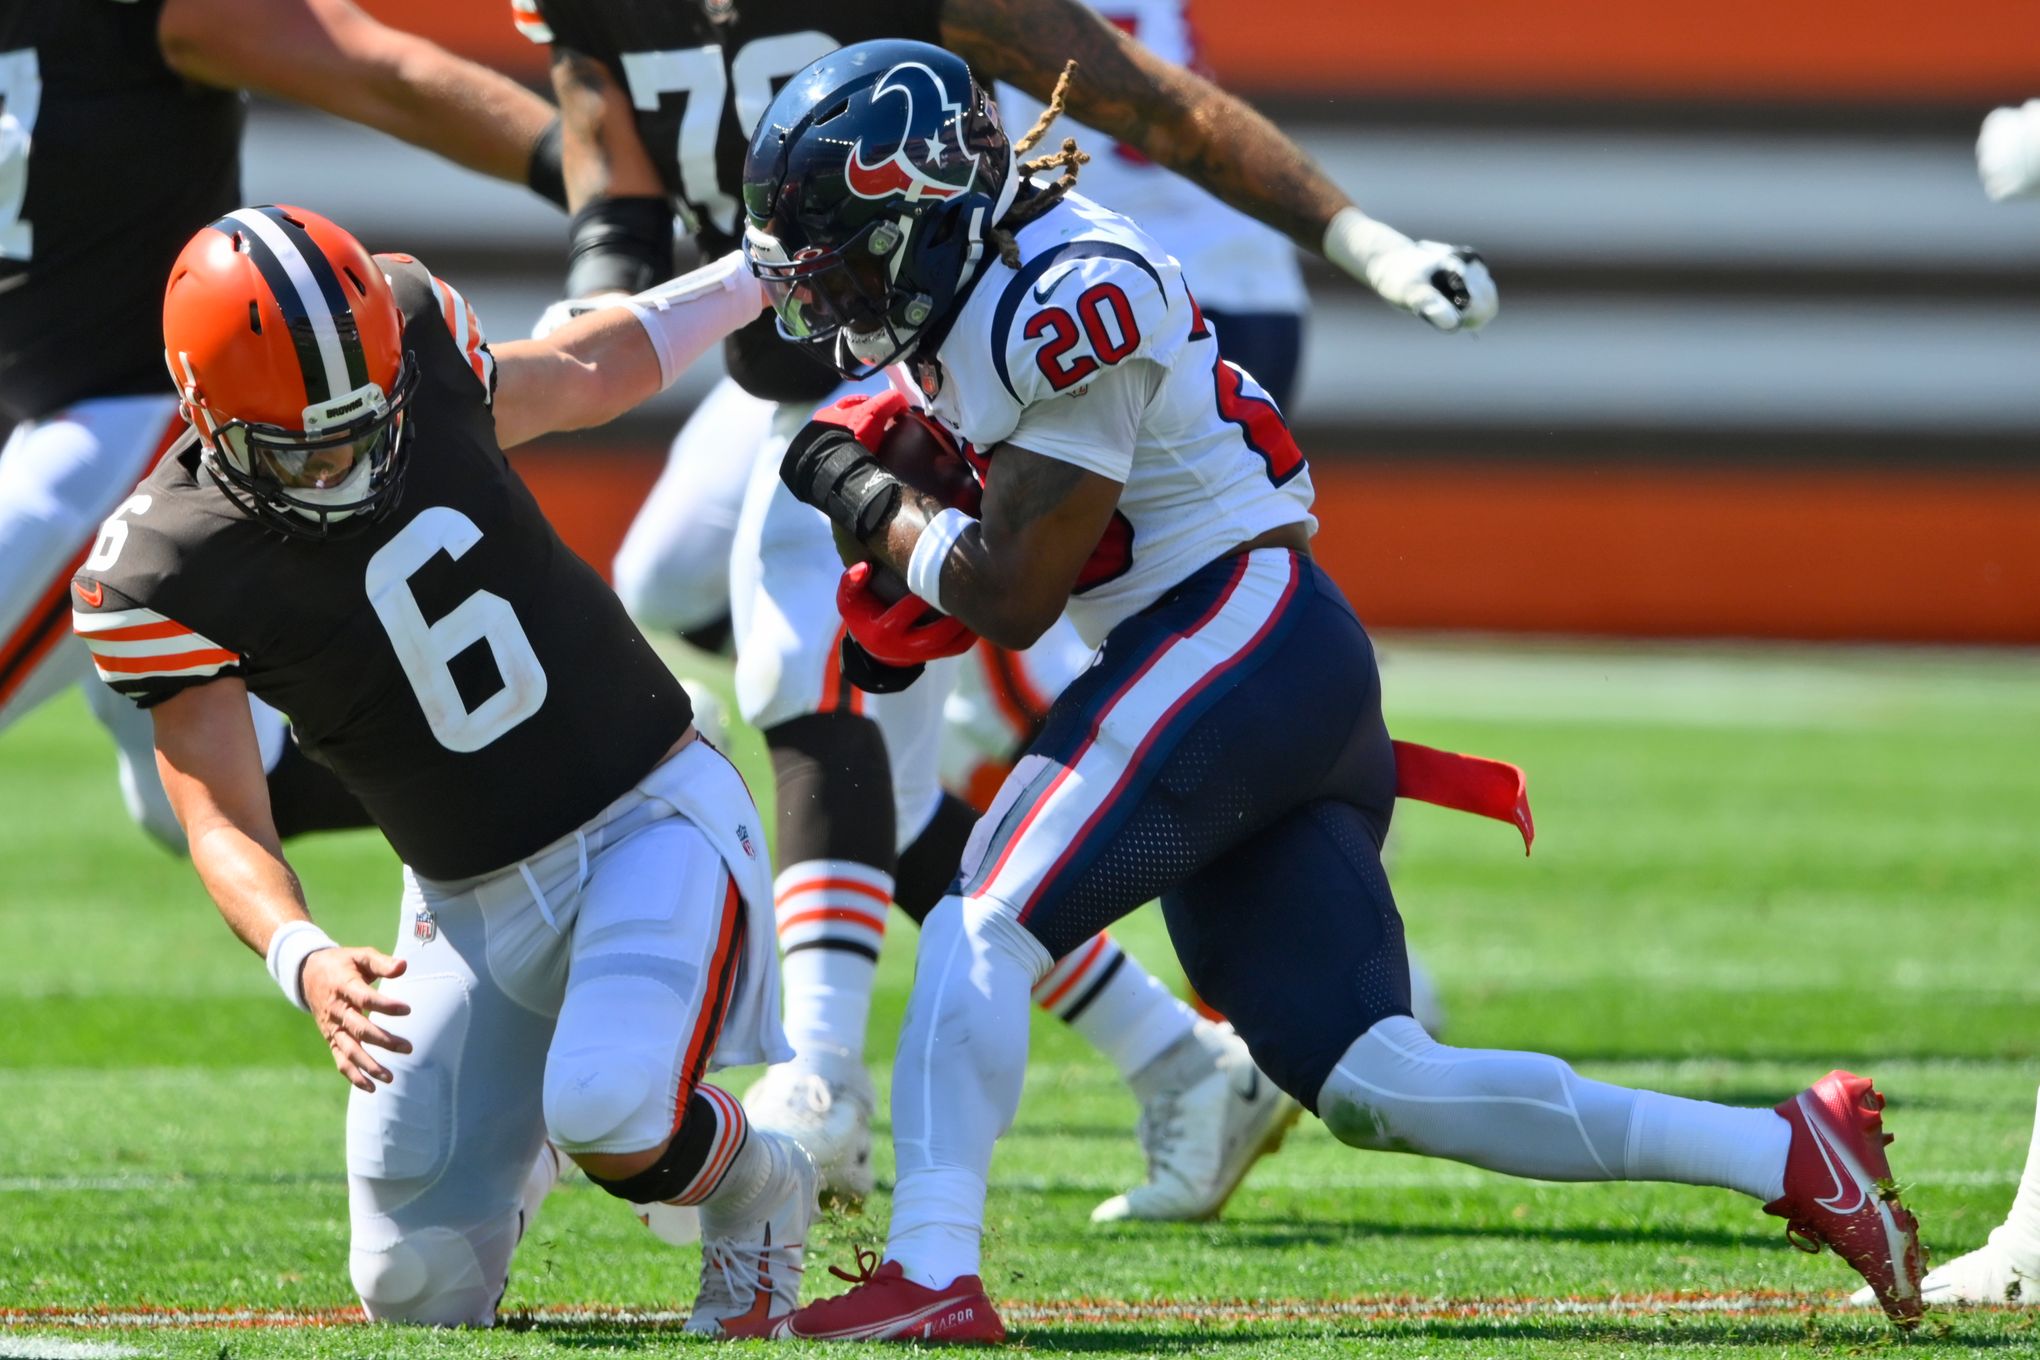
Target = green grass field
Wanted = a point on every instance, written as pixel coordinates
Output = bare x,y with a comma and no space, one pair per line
1752,865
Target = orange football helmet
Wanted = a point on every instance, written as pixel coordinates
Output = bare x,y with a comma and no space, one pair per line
287,349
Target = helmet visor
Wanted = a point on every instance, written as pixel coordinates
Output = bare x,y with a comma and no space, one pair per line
311,463
816,293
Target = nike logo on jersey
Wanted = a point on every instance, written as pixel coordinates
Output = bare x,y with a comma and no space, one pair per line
1045,290
94,597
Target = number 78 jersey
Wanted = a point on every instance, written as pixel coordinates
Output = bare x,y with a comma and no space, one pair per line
1094,352
466,676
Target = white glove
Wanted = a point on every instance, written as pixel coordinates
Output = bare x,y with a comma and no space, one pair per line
1448,286
2008,152
572,309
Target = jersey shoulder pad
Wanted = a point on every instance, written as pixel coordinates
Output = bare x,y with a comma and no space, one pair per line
420,292
1076,308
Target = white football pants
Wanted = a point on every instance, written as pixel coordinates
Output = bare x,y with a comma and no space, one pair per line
573,996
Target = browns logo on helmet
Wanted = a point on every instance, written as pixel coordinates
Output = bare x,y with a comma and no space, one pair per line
286,346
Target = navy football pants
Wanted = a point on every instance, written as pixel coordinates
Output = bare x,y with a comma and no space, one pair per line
1227,754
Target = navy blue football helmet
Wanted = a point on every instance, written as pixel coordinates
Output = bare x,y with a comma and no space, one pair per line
870,184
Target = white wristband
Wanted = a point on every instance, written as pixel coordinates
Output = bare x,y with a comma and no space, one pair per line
1353,241
931,549
289,947
686,316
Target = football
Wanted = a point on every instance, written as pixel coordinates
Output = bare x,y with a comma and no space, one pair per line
924,456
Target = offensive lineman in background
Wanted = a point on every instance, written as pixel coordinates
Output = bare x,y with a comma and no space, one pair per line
658,99
120,134
2006,1268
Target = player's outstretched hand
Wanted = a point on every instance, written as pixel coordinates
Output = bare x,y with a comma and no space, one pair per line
2008,152
1446,285
339,987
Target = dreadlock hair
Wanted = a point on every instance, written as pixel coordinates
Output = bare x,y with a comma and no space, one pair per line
1032,206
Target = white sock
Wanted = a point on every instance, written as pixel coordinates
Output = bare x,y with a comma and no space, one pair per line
1529,1114
956,1082
538,1183
755,1179
1104,994
1697,1142
831,924
2019,1235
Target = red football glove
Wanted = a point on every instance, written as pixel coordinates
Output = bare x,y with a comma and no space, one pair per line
927,458
865,416
907,632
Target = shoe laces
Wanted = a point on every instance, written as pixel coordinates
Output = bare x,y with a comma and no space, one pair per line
740,1268
1160,1131
867,1268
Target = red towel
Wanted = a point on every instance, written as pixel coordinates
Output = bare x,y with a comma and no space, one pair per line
1486,788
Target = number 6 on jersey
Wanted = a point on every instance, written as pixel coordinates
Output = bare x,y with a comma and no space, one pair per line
426,650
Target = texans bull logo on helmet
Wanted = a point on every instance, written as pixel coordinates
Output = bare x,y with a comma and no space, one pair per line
897,173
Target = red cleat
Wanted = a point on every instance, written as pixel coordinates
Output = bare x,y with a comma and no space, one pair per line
884,1305
1839,1191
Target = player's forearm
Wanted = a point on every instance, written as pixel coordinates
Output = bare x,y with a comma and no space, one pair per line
599,147
601,364
992,582
247,877
329,55
467,113
1172,116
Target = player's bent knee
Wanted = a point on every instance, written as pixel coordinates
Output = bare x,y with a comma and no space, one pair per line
431,1276
601,1101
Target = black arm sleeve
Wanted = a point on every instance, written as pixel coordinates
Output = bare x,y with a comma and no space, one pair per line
619,245
544,174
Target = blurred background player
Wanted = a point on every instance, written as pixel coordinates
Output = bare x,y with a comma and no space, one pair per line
2006,1268
120,135
657,101
582,934
1227,753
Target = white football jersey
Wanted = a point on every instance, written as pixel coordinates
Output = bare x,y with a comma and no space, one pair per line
1235,263
1095,352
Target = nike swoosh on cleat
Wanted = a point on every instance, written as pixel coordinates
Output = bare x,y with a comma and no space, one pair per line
1836,1159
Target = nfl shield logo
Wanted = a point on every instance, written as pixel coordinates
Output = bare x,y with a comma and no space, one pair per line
744,839
424,926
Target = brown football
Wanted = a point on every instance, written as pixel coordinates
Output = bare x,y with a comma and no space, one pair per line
921,454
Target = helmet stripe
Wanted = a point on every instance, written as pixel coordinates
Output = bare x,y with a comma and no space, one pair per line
306,312
328,279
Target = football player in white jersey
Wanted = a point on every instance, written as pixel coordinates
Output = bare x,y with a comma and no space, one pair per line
862,818
1226,752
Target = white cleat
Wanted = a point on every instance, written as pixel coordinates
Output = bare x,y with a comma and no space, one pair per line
1207,1115
1987,1275
752,1257
824,1101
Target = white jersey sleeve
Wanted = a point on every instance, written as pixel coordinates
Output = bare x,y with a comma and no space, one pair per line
1096,424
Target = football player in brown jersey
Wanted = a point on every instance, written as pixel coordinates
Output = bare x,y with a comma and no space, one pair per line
584,928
